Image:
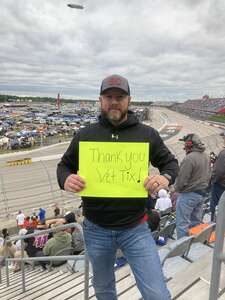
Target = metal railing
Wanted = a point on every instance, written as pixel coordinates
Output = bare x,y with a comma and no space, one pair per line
20,190
218,255
23,259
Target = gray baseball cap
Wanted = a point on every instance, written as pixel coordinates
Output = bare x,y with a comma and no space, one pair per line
192,137
115,81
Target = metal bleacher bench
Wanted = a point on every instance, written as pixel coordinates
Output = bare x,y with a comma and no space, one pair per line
200,280
205,278
46,258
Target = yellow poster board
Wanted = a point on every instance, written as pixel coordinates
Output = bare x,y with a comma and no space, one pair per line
114,169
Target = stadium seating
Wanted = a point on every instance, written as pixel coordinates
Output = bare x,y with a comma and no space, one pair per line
168,231
200,243
65,251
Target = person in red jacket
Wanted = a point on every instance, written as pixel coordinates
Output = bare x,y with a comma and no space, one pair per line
34,222
27,223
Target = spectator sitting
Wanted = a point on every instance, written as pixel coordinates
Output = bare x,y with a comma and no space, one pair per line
77,232
7,250
77,239
173,197
212,159
150,204
34,222
18,253
56,211
20,219
30,244
60,240
5,233
27,223
153,220
22,231
41,240
69,217
164,201
41,215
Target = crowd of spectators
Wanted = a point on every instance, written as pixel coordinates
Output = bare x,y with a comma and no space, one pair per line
32,221
44,244
200,108
207,188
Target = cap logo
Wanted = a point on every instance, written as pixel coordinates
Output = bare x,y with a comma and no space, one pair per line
114,81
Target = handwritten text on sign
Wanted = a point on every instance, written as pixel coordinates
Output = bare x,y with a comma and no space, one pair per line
113,169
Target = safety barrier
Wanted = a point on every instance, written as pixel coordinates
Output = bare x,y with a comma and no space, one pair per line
19,162
23,259
218,255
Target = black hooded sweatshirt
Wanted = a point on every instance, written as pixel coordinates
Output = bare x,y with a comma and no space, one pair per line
117,212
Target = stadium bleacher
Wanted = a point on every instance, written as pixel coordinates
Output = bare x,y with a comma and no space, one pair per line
184,279
200,107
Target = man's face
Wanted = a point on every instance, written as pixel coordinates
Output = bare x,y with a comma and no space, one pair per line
114,105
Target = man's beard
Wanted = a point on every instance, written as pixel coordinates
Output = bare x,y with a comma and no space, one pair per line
115,117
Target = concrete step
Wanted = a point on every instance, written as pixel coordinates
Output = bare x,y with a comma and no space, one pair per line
195,272
59,285
46,282
198,291
121,275
222,297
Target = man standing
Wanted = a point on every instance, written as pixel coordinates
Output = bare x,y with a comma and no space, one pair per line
56,210
119,223
20,219
191,184
218,180
41,215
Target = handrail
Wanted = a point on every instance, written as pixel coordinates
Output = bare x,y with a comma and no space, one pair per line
218,255
47,258
41,231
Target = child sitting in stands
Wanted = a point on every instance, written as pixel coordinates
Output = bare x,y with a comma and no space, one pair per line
164,201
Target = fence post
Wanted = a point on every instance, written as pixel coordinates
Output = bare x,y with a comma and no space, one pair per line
4,196
49,178
7,272
86,276
23,266
217,261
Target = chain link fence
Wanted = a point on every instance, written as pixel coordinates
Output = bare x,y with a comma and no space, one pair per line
29,187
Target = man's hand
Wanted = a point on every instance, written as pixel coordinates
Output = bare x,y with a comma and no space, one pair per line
74,183
155,183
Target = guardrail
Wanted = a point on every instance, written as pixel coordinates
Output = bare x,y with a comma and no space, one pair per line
21,189
43,174
23,259
19,162
218,255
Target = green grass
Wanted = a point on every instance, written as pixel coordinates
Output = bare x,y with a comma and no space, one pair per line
219,118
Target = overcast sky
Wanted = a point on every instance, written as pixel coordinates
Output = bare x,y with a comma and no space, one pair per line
168,49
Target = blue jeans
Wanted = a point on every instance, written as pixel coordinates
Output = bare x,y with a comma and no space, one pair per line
188,212
140,251
217,191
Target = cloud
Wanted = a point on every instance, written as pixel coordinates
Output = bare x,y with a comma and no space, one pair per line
169,50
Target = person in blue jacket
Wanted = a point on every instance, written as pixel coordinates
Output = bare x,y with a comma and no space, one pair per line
41,215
